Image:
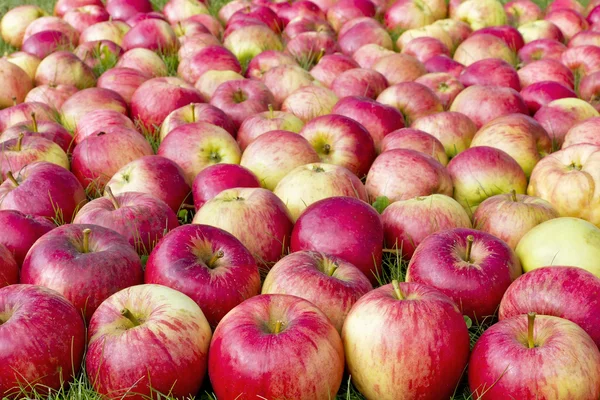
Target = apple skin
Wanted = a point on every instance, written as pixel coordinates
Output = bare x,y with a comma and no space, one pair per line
274,154
412,99
546,70
216,178
21,232
519,135
558,116
64,68
16,84
182,261
209,81
424,48
306,24
491,72
407,223
198,145
540,29
258,124
341,141
267,60
359,82
15,22
444,85
307,346
582,60
476,284
344,11
569,357
378,119
444,64
308,45
585,38
583,132
401,174
27,62
302,103
413,139
9,268
283,80
64,6
32,148
52,95
509,34
38,355
44,43
108,30
356,33
542,93
45,190
152,109
589,89
542,49
380,323
153,175
565,292
519,12
57,261
93,161
265,229
168,318
399,68
152,34
329,282
144,61
180,10
82,17
242,98
480,47
569,22
369,54
51,23
101,120
123,81
48,130
21,113
152,218
88,100
196,112
482,172
124,9
307,184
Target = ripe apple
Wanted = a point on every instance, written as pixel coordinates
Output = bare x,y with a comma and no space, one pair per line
108,30
15,22
307,47
15,84
480,47
82,17
45,129
368,55
589,89
491,72
582,60
360,31
414,139
266,60
583,132
558,116
406,14
21,232
44,43
216,178
542,49
196,112
546,70
19,152
585,38
399,68
88,100
22,113
509,34
101,120
302,102
258,124
64,68
124,9
52,95
424,48
540,29
143,61
161,319
520,12
450,32
480,13
51,23
123,81
152,34
569,22
308,24
541,93
249,41
444,64
412,99
209,81
283,80
359,82
9,269
444,85
242,98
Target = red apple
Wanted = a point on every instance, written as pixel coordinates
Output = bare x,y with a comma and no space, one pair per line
510,35
21,232
302,102
125,9
152,34
44,43
240,99
412,99
444,64
540,29
306,24
569,22
101,121
9,269
558,116
216,178
85,101
266,60
15,84
479,47
82,17
356,33
196,112
64,68
123,81
399,68
414,139
144,61
589,89
546,70
19,152
63,6
308,47
283,80
453,129
359,82
27,62
24,112
542,93
491,72
424,48
542,49
47,23
53,95
582,60
261,123
445,86
45,129
369,54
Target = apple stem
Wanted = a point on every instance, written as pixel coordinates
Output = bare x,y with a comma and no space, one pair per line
219,254
530,321
278,326
112,197
320,55
129,315
470,240
193,107
397,290
20,141
34,122
332,270
14,99
11,178
513,195
271,114
86,240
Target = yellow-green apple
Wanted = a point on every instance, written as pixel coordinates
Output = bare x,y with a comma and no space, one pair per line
242,98
44,43
53,95
307,24
589,89
491,72
582,60
196,112
423,48
82,17
413,100
45,190
15,84
26,149
48,23
541,93
485,103
179,10
84,263
565,292
276,335
144,61
15,22
266,60
209,265
152,34
64,68
283,80
307,184
85,101
479,47
24,112
510,216
340,284
558,116
541,29
520,12
402,174
156,98
326,227
44,339
369,54
449,32
504,362
564,241
546,70
154,175
307,47
160,318
365,30
198,145
249,41
482,172
406,223
211,80
302,102
216,178
387,321
258,124
94,159
123,81
274,154
265,229
519,135
408,14
108,30
27,62
9,269
569,22
101,120
444,85
510,35
21,232
542,49
414,139
398,68
341,141
359,82
473,268
444,64
481,13
583,132
124,9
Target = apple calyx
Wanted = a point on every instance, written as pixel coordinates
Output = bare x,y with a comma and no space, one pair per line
326,148
278,326
397,291
217,256
34,124
318,169
129,315
239,96
112,197
11,177
86,240
530,322
19,142
513,195
575,166
470,240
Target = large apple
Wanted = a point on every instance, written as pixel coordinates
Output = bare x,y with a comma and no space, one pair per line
196,112
302,102
261,123
558,116
414,139
216,178
242,98
21,231
453,129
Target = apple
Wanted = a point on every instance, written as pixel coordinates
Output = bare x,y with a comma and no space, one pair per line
569,22
15,84
300,341
84,263
124,9
589,89
209,265
542,49
192,45
160,318
48,130
445,86
48,23
63,6
412,99
144,61
511,36
424,48
402,174
82,17
9,269
188,28
569,357
582,60
24,150
27,62
152,34
542,93
64,68
307,184
300,8
558,116
21,232
52,95
540,29
344,11
414,139
261,123
491,72
85,101
44,43
387,321
483,46
565,241
15,22
198,145
583,132
302,102
407,14
398,68
546,70
101,120
231,8
565,292
95,159
584,38
359,82
179,10
249,41
369,54
216,178
154,175
283,80
308,47
566,4
266,60
453,129
209,81
22,113
480,13
449,32
38,356
308,24
356,33
242,98
123,81
265,228
108,30
43,189
196,112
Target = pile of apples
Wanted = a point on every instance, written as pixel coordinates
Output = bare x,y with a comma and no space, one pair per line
311,141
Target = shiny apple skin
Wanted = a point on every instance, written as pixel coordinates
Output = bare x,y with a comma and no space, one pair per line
9,269
20,232
214,179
